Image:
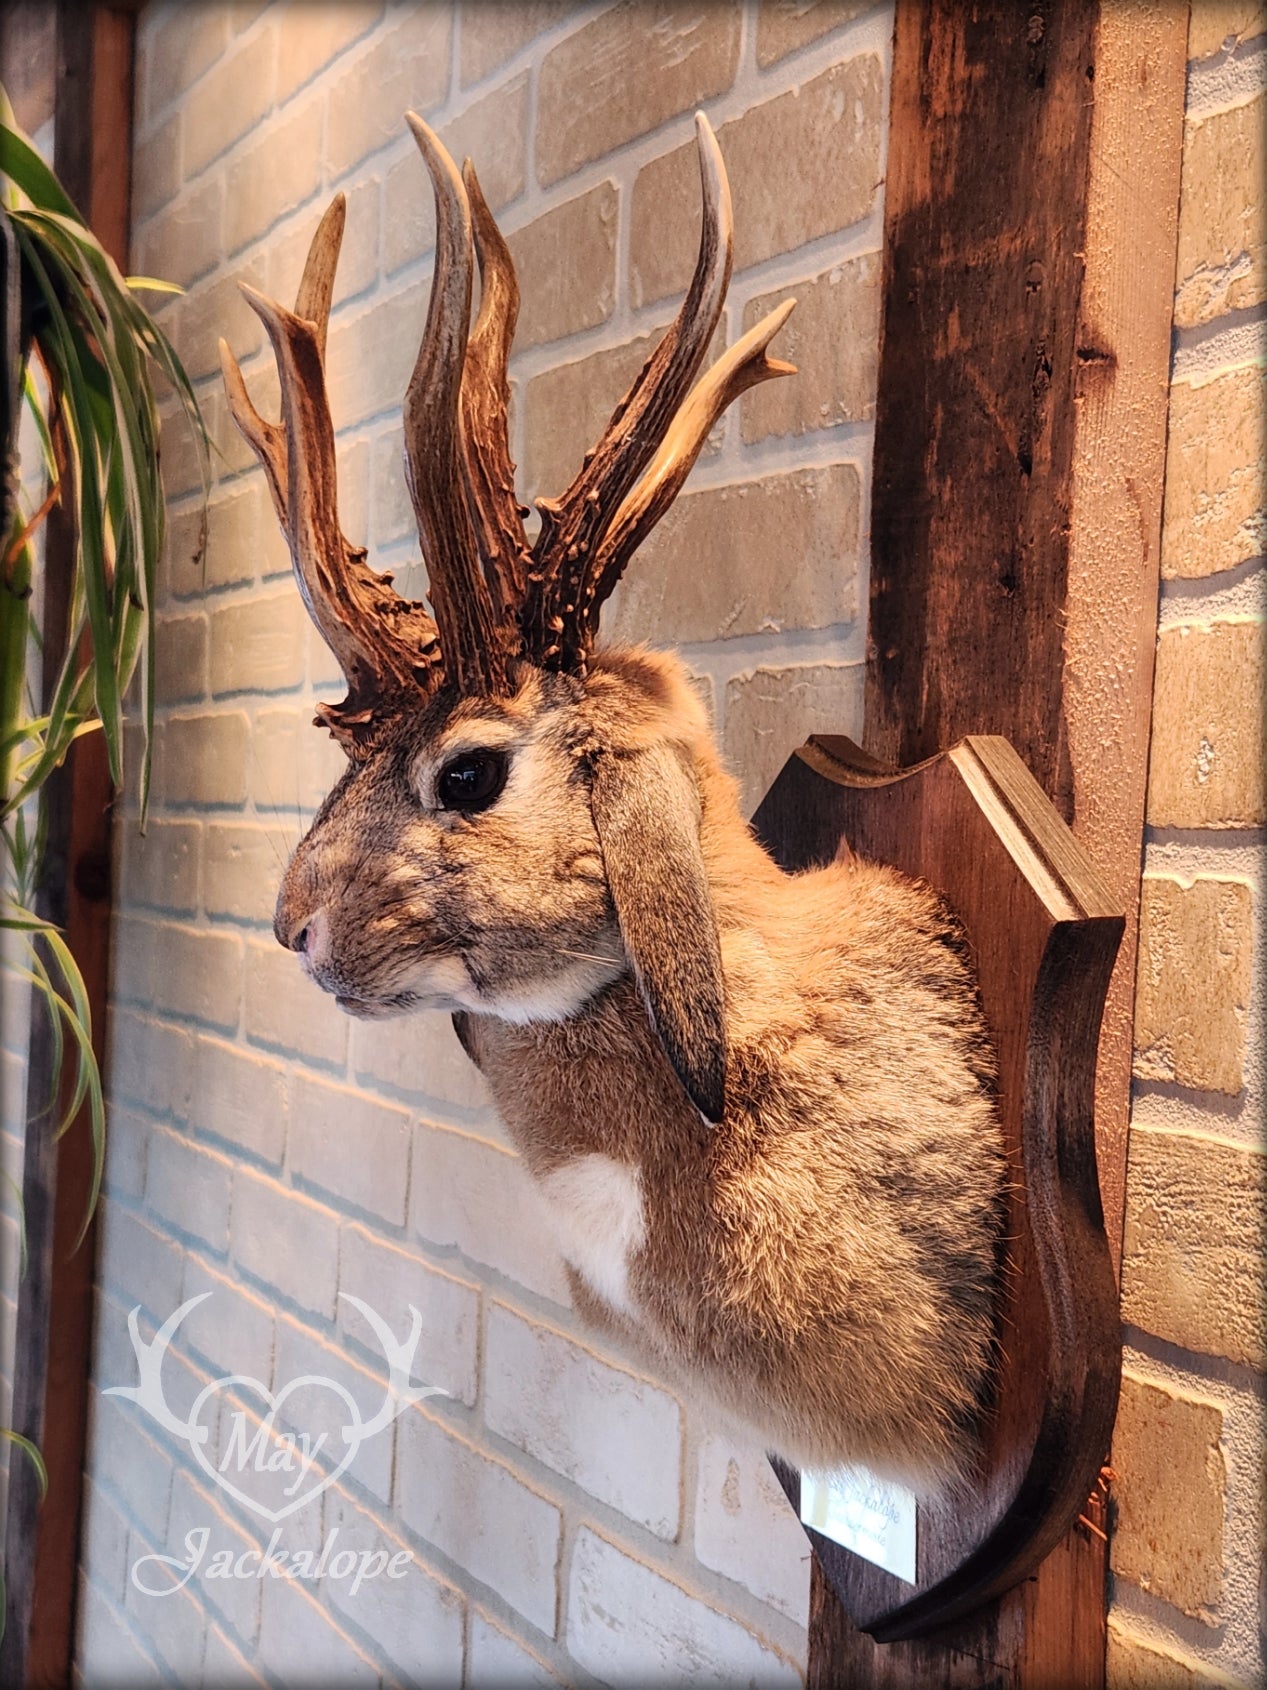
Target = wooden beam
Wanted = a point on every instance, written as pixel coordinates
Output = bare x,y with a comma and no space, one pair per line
92,155
1020,437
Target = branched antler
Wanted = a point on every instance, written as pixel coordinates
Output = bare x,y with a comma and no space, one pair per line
385,645
495,599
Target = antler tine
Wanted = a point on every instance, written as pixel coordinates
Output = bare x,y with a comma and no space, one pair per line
434,453
485,401
573,524
742,367
312,302
383,643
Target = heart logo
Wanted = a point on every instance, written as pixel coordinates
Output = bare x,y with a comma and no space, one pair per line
287,1466
284,1463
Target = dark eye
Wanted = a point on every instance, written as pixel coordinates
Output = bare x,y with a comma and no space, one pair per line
472,781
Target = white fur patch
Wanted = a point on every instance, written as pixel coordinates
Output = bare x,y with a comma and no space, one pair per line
595,1205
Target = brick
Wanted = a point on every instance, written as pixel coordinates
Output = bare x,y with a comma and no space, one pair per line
174,1626
369,358
609,1431
139,1264
243,865
180,659
289,1013
783,26
276,172
228,101
418,1057
285,1241
393,512
182,567
351,1145
1194,1238
1222,256
1134,1662
187,241
472,1195
566,262
448,1492
627,1623
243,538
567,408
312,37
161,866
216,309
150,1063
496,1658
156,172
178,49
391,1281
416,1620
106,1646
1217,25
259,644
1193,982
745,1527
833,338
236,1600
188,1188
756,557
1166,1445
625,73
293,765
105,1541
201,976
299,1644
495,30
232,1331
119,1444
223,1663
769,712
127,1144
831,126
1216,484
493,132
406,68
205,761
181,449
240,1098
1206,757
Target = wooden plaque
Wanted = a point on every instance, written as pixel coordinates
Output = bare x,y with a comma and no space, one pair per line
975,824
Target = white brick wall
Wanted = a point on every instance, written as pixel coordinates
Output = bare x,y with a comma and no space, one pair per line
567,1518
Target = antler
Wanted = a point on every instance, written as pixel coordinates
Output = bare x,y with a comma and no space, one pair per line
435,450
385,645
569,565
494,598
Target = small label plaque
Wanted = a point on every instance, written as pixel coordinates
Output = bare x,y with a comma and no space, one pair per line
873,1517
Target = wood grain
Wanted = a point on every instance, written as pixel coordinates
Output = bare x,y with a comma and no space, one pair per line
989,144
53,1337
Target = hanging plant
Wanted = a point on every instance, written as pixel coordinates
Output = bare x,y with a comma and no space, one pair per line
80,356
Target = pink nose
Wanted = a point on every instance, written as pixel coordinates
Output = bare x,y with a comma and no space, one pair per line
310,939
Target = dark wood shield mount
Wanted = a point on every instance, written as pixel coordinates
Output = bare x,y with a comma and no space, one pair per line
975,824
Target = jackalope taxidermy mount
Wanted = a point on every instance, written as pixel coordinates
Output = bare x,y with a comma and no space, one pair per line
758,1106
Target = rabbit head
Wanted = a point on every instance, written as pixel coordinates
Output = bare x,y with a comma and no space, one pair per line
519,822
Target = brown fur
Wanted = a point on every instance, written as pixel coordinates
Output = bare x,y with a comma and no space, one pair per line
822,1263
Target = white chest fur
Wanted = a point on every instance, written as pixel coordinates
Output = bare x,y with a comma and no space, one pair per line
595,1208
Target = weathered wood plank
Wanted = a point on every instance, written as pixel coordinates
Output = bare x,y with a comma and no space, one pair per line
989,144
92,155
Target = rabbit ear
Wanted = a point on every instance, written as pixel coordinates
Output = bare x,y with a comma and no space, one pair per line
646,810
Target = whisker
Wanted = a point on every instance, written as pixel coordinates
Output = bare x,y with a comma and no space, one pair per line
585,956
